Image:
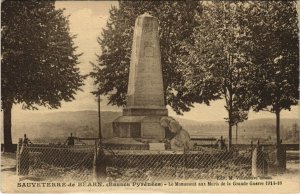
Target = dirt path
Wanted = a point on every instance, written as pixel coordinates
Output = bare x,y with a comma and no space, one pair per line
8,172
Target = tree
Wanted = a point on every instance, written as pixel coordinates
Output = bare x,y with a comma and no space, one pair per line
39,64
238,116
176,21
275,54
218,57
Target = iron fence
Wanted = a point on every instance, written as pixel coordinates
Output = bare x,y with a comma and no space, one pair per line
138,163
56,162
76,163
170,165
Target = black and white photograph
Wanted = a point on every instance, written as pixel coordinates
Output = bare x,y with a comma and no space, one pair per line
150,96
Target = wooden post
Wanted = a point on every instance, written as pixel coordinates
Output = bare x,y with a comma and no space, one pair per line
251,148
95,162
236,133
220,145
99,119
99,163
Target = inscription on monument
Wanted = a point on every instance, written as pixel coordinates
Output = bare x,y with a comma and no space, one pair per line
148,51
147,27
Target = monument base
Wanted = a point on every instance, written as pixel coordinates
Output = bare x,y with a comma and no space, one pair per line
140,127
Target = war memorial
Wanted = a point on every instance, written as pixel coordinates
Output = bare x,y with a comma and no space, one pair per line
145,115
145,147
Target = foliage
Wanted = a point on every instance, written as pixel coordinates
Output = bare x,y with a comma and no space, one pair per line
239,116
176,21
219,57
250,54
38,55
39,63
275,54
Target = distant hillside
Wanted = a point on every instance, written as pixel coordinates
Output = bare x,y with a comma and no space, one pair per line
60,124
57,126
263,129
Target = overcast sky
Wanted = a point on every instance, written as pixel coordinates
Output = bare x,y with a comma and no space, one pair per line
87,18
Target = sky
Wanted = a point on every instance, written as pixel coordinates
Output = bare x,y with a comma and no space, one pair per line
87,19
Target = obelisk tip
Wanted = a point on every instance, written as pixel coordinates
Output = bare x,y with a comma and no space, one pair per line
146,14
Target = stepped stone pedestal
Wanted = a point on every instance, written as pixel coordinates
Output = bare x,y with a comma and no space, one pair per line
145,97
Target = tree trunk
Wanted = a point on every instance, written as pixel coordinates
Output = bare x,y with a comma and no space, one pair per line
230,137
8,147
99,120
236,133
230,120
277,126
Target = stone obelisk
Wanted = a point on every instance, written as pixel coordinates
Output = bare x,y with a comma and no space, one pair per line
145,96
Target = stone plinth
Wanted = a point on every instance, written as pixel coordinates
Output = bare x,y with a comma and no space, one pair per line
135,111
146,127
145,96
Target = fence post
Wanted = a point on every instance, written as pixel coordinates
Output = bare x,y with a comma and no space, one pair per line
185,163
18,156
95,161
221,143
264,162
258,164
99,163
280,157
24,158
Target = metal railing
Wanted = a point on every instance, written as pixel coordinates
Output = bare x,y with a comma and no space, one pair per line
137,162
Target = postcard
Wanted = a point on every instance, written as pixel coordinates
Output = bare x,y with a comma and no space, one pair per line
150,96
